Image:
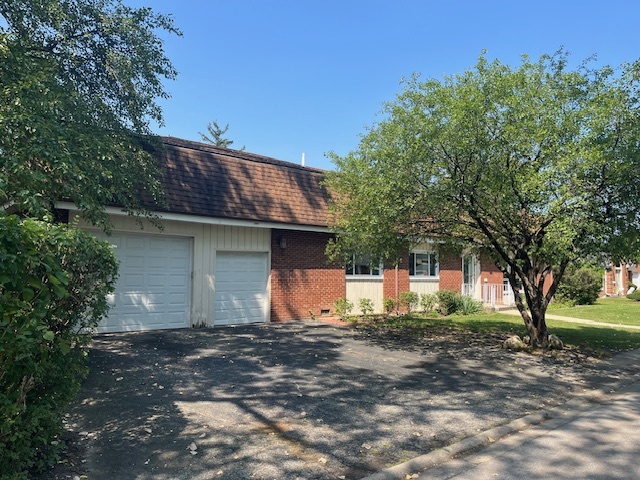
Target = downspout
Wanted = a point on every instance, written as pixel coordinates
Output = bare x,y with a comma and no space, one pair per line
397,287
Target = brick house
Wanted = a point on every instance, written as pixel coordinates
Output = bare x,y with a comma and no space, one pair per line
243,241
618,277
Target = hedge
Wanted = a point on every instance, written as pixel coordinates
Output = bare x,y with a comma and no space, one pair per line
53,286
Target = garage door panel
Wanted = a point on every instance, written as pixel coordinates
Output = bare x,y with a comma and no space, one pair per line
177,298
157,262
178,263
132,243
133,261
179,280
153,289
240,285
156,280
130,280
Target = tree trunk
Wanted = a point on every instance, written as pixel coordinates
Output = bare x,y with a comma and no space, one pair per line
537,327
533,314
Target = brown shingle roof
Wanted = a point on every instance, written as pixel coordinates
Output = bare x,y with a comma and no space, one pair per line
211,181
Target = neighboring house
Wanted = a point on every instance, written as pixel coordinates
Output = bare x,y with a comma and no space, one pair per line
618,277
243,241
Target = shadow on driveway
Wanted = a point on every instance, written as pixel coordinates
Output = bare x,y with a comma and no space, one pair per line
295,400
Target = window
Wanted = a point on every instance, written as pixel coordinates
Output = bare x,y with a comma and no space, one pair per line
423,264
363,265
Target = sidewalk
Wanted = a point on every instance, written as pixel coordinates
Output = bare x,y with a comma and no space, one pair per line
515,312
593,436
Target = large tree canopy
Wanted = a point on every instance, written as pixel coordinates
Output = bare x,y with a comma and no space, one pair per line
539,165
79,83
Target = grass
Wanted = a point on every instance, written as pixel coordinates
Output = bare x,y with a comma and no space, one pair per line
620,311
600,341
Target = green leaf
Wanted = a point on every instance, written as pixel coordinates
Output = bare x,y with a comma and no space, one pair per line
59,291
28,294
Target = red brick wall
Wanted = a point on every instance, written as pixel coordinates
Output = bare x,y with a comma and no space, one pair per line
302,280
489,271
450,270
609,278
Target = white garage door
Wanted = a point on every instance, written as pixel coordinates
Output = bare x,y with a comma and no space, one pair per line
154,287
241,288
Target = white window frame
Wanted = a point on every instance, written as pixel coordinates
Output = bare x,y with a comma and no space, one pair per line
363,262
412,265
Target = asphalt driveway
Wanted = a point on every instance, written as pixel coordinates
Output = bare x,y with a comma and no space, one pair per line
300,400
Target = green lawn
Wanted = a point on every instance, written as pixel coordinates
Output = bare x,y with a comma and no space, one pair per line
601,341
621,311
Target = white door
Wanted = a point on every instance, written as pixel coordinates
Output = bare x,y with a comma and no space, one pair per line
470,274
154,287
241,288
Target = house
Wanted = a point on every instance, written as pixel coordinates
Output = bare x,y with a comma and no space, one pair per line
243,241
617,278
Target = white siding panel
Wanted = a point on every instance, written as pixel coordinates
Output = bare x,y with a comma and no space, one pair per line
423,286
365,288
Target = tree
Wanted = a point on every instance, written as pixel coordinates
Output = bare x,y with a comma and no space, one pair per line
580,285
538,165
79,86
216,137
79,83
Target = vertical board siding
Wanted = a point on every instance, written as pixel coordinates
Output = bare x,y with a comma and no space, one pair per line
368,288
422,287
207,239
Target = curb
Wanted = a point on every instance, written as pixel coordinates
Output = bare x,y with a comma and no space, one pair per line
571,408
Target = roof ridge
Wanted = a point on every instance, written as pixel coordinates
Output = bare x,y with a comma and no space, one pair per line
239,154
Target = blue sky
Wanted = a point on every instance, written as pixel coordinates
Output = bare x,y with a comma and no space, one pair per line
302,76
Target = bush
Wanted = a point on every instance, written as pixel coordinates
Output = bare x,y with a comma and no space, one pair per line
53,286
580,285
449,302
428,301
410,300
634,296
470,306
366,306
343,307
389,305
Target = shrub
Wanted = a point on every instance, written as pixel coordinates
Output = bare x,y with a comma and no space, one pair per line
470,306
634,296
410,300
449,302
389,305
366,306
428,301
343,307
53,286
580,285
